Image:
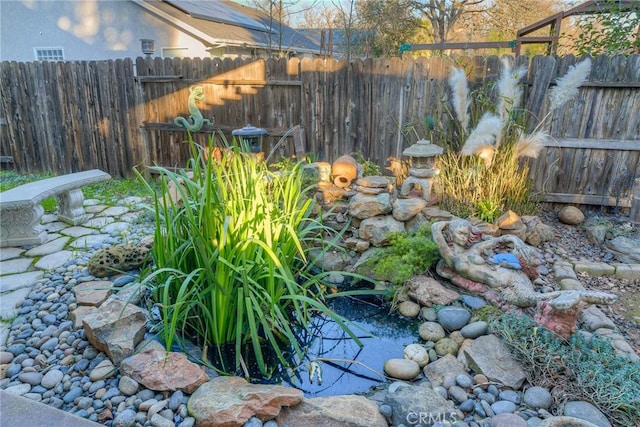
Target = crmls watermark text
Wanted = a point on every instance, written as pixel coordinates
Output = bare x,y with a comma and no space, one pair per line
429,418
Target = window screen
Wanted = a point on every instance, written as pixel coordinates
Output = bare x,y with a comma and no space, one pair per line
49,53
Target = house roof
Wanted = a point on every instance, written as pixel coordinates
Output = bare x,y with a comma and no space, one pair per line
225,23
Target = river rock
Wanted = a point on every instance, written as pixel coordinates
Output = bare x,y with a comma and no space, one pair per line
409,309
538,397
475,329
231,401
402,369
51,378
447,346
349,410
586,411
160,371
508,420
570,215
431,331
417,353
565,422
453,318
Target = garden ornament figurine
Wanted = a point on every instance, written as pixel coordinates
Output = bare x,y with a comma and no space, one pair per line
502,270
196,120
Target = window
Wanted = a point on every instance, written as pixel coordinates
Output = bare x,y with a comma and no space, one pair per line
174,52
49,53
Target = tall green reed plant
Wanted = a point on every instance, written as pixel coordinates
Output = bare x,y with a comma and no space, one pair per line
230,257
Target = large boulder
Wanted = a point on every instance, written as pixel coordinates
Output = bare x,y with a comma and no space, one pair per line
117,259
231,401
115,328
420,405
626,249
333,411
366,206
162,371
376,229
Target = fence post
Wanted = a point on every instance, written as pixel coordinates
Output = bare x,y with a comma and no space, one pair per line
634,215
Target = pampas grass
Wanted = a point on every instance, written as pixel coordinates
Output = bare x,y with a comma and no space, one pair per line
485,133
567,86
530,145
509,90
461,101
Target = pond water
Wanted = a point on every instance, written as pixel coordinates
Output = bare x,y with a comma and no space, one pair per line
345,367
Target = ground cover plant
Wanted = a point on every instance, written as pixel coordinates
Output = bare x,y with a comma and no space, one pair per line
585,368
230,260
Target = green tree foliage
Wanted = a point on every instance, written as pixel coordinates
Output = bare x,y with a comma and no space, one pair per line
394,22
614,31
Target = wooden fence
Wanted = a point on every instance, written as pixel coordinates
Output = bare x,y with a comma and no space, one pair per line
114,115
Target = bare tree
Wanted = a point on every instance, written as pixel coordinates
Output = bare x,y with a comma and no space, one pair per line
444,14
346,20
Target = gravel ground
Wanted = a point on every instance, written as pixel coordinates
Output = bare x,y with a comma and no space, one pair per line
572,244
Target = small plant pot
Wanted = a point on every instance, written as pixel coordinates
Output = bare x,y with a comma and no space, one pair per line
344,171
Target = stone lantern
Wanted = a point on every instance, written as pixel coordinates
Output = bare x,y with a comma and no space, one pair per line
422,154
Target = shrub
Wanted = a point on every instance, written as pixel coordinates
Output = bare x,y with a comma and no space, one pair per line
408,254
230,263
584,368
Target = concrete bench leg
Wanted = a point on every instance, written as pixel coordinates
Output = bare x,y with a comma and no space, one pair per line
70,209
21,226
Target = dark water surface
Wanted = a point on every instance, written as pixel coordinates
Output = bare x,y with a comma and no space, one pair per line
347,368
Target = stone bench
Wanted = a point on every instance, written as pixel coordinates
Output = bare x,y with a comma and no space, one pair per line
21,209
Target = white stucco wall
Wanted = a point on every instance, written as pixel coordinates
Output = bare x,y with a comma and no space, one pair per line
85,30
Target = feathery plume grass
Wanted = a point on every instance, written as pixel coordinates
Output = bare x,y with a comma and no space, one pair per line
461,102
509,90
530,145
567,85
485,133
486,153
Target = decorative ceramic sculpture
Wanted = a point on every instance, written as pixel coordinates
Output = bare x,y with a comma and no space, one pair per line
502,269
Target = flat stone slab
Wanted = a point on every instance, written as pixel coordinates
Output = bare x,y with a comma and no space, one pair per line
116,227
90,241
54,260
77,231
10,253
115,211
594,269
54,227
628,271
98,222
94,208
488,355
50,247
9,301
93,293
13,266
21,280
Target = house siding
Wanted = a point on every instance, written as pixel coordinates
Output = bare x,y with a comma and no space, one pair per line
87,30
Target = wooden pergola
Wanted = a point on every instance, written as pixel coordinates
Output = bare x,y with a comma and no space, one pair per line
554,22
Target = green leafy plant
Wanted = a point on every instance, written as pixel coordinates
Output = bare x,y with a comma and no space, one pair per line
584,368
614,31
369,168
230,258
408,254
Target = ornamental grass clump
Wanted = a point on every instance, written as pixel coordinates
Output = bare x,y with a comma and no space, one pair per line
230,263
489,174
